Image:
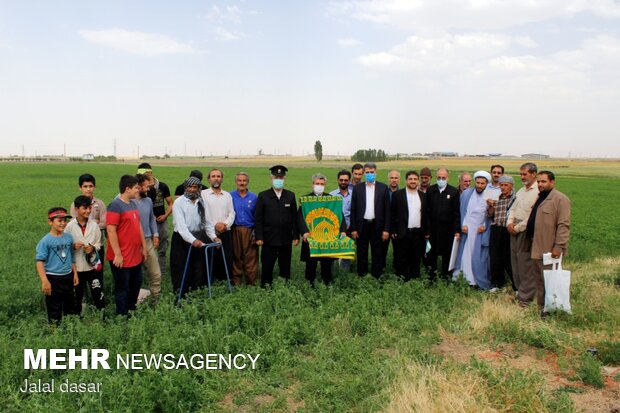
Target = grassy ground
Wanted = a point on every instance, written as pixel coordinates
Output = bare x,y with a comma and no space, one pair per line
358,345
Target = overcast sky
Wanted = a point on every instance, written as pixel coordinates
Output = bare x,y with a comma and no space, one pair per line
233,77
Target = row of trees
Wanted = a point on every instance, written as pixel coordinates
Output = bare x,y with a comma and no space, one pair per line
362,155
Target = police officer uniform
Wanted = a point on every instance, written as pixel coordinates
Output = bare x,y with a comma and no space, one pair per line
276,226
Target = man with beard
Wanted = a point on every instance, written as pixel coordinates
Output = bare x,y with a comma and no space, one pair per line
149,227
344,191
409,227
276,226
445,222
192,229
473,256
221,211
160,195
425,179
357,173
180,189
520,243
549,228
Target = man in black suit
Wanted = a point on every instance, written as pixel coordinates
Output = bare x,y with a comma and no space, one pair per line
276,226
370,221
410,227
445,221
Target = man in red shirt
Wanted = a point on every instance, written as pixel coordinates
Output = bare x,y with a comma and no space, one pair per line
126,245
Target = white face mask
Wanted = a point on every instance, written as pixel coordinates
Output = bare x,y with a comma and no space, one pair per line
441,183
319,189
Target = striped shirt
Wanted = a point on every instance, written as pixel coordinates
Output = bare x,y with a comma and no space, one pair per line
500,216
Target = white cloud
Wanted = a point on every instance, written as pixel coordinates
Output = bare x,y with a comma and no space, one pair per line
439,54
468,14
223,34
231,14
488,63
144,44
348,42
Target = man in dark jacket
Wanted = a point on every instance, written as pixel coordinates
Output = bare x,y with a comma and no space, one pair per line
410,227
318,189
276,226
445,221
370,221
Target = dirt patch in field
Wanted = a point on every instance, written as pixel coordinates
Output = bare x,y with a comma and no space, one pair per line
292,403
586,398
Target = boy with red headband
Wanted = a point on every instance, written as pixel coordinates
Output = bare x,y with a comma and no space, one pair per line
56,268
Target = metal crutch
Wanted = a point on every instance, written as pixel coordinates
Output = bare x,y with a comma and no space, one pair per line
209,264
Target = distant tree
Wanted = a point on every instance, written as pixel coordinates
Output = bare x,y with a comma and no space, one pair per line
318,151
370,155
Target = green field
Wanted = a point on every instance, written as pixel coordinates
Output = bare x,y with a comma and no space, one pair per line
358,345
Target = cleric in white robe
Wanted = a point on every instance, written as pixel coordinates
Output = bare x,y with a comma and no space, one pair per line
473,256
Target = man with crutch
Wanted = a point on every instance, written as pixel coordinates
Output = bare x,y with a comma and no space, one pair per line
193,229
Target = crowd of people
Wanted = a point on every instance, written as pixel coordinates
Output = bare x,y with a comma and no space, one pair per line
482,230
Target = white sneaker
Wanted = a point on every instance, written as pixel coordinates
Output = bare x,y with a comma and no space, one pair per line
494,290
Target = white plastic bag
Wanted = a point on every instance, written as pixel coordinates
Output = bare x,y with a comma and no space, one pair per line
557,288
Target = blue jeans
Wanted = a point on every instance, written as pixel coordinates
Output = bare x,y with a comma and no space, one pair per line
127,282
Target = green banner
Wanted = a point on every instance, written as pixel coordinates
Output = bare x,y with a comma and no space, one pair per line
323,215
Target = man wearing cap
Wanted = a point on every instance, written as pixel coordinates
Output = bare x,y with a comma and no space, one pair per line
370,221
520,244
425,179
499,242
444,210
473,256
160,195
276,226
192,229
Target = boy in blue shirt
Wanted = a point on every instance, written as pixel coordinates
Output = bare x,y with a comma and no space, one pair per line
56,267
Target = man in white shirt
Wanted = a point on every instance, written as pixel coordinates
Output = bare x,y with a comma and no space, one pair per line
220,208
410,227
370,221
192,229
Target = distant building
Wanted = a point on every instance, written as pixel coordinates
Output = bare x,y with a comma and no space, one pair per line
444,154
535,156
88,157
495,155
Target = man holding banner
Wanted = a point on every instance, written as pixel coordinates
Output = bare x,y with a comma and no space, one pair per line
322,225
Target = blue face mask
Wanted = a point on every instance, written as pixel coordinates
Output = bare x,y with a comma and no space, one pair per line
441,183
370,177
278,183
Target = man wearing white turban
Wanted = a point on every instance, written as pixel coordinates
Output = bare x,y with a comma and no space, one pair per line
473,255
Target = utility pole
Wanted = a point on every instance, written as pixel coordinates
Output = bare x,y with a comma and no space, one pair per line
115,148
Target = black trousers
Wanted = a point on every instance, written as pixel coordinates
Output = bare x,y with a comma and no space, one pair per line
268,256
499,252
196,276
93,280
370,236
219,273
62,300
409,251
326,269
